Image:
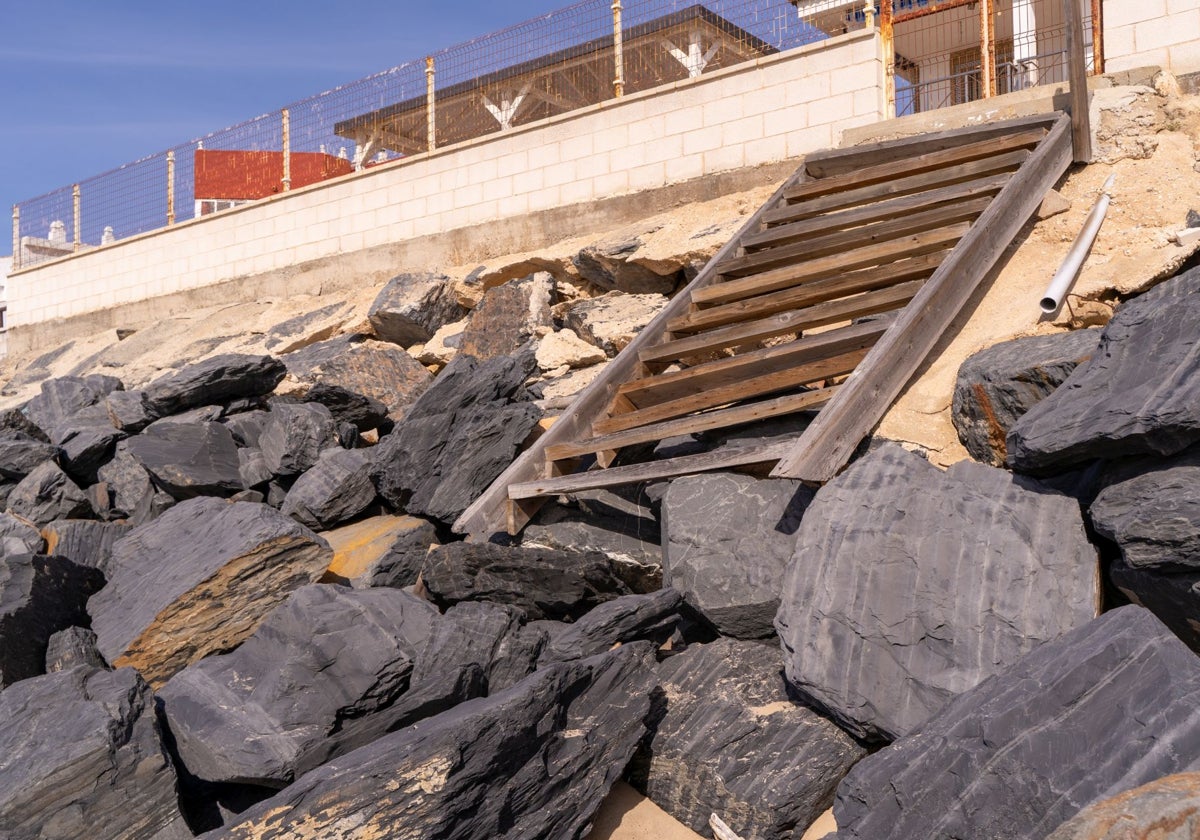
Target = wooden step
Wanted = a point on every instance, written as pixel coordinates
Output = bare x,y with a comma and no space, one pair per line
722,418
879,254
809,294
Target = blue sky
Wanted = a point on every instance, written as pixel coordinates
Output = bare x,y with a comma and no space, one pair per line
86,86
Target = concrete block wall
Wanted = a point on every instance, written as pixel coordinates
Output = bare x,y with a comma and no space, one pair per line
1163,33
759,112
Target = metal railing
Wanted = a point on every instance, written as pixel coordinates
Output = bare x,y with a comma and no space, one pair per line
559,62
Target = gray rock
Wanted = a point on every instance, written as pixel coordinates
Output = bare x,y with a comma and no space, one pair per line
472,634
247,426
72,647
545,584
252,467
1173,597
198,580
412,306
38,597
294,437
607,265
47,494
226,377
59,399
320,663
629,618
730,742
729,539
87,439
21,453
1107,707
83,541
363,412
128,411
375,369
200,414
611,321
461,434
508,316
873,621
131,494
189,459
15,420
18,536
336,489
1136,395
81,756
1165,809
531,762
998,385
379,551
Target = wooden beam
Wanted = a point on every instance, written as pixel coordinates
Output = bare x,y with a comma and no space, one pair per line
488,514
1081,128
827,444
830,162
721,418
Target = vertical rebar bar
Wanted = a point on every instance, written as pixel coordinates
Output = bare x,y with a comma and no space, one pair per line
430,105
16,254
171,187
287,150
987,51
618,52
75,215
887,37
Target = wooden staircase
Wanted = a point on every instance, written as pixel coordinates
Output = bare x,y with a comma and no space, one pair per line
827,300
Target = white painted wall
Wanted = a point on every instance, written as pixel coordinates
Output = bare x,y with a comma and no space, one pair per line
764,111
1164,33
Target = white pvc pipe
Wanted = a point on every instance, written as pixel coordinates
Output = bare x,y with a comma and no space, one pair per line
1068,272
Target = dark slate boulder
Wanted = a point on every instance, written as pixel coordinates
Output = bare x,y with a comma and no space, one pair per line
252,467
19,536
295,436
69,648
189,459
874,622
629,618
247,426
1107,707
412,306
470,633
545,584
59,399
337,488
363,412
129,491
998,385
507,316
214,380
1138,394
15,420
87,439
84,541
729,539
81,756
531,762
320,663
198,580
47,494
1150,507
380,551
38,597
1173,597
454,441
129,411
20,453
1165,809
730,742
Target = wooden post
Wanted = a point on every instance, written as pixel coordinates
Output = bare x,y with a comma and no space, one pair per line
987,51
75,219
887,36
1081,129
618,52
430,105
1097,37
171,187
16,254
287,150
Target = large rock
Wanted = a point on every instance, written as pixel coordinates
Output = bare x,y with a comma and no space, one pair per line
337,488
652,617
1165,809
472,635
563,348
81,756
86,439
998,385
129,411
376,369
508,316
380,551
1139,393
606,264
128,491
411,308
544,583
83,541
611,321
729,539
38,597
59,399
320,663
295,436
69,648
198,580
20,453
363,412
730,742
1107,707
217,379
47,494
189,459
1173,597
874,621
457,438
19,536
531,762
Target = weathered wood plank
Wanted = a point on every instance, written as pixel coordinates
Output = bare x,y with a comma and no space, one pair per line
916,164
828,163
1008,162
886,209
816,292
913,245
827,444
792,320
